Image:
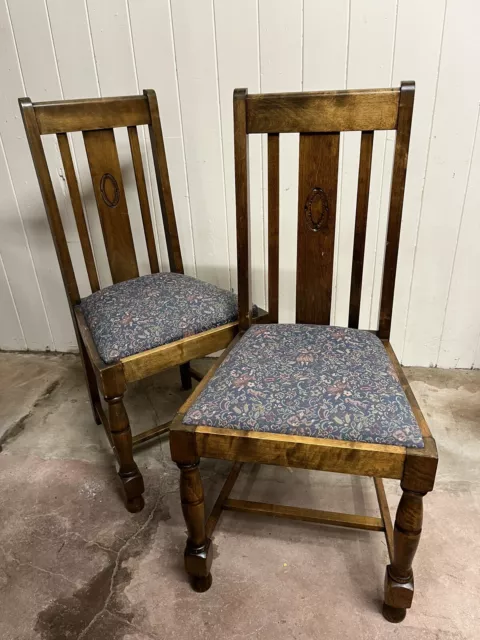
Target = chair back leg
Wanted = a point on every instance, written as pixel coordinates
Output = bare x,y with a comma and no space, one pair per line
186,376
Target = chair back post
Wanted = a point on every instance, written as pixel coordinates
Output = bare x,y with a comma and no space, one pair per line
243,208
402,144
49,200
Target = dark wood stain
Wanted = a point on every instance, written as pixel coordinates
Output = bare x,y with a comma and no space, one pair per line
96,119
363,193
318,117
109,192
318,175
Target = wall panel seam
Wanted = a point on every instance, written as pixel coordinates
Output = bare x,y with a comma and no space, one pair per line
90,37
27,243
50,32
2,265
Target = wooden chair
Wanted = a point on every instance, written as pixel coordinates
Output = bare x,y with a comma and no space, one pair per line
307,395
107,364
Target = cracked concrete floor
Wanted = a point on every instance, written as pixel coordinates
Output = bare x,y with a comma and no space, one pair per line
75,565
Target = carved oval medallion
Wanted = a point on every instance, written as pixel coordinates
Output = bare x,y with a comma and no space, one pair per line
316,209
109,190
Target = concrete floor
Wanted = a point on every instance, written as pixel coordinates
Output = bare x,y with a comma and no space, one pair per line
75,564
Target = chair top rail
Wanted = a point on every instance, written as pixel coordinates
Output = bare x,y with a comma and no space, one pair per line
91,114
323,111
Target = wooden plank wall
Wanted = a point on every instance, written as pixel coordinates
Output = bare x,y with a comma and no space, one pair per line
194,53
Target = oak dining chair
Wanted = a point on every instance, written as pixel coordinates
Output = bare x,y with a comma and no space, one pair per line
139,325
311,395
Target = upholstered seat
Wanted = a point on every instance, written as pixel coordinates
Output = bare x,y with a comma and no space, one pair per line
309,380
146,312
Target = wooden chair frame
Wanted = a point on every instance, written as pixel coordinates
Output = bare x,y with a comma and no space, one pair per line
318,117
97,118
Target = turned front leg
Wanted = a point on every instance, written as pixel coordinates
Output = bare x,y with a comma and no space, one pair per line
399,576
122,440
198,550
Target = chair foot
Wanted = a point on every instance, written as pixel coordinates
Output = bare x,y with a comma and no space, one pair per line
393,614
135,505
201,584
133,488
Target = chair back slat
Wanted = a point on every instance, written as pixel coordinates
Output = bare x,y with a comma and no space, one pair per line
109,192
78,212
317,205
400,160
143,199
363,193
163,184
319,118
273,223
325,111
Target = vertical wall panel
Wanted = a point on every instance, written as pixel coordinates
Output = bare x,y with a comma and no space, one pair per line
417,57
194,55
461,329
36,52
281,31
155,62
193,28
372,37
19,268
449,159
238,56
16,250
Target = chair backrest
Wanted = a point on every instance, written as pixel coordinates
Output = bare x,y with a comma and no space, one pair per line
96,119
319,118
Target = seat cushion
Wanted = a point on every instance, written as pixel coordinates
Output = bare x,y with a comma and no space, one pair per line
140,314
309,380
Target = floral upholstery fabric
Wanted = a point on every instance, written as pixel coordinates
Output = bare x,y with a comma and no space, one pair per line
309,380
140,314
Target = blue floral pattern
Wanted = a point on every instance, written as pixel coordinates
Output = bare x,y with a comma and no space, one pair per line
140,314
309,380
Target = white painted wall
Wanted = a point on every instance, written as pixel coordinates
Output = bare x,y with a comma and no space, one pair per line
194,53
